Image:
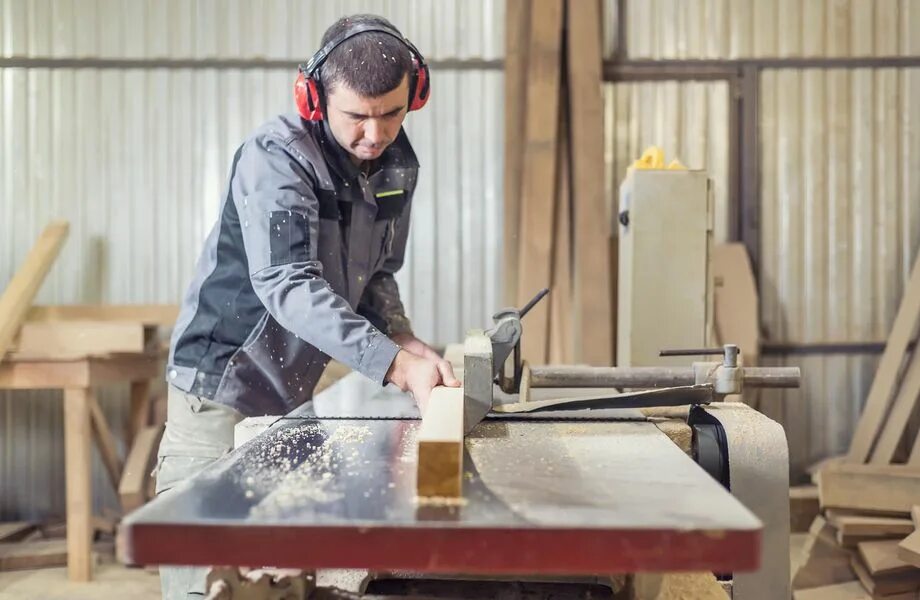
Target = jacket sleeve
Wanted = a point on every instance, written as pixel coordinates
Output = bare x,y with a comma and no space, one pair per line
380,300
279,217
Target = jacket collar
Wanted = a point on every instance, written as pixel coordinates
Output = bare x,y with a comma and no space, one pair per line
399,155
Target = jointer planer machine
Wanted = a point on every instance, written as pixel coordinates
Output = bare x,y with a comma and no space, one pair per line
563,488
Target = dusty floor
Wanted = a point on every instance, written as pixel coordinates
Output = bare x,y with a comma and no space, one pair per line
112,581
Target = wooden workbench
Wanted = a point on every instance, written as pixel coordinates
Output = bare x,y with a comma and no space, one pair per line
78,377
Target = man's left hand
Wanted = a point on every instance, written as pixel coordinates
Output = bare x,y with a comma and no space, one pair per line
419,348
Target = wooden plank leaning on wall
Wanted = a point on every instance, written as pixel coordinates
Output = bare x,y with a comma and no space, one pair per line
539,170
21,290
591,315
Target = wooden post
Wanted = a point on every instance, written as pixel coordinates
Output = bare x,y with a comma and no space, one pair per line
139,416
77,436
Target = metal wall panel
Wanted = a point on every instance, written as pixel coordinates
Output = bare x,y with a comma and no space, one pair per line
682,29
136,159
236,29
689,121
840,231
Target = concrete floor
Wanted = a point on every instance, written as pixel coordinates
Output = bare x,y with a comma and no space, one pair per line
112,581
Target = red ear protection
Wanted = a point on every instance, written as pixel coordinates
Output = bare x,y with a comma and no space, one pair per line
308,92
306,97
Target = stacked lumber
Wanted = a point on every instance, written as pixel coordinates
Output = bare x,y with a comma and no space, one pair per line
556,226
28,545
870,498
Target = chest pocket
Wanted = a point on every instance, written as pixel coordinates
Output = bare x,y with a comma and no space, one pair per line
390,207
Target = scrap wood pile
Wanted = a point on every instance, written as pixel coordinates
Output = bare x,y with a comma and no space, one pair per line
31,545
868,534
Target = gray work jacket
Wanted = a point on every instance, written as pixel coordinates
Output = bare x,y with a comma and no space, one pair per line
299,268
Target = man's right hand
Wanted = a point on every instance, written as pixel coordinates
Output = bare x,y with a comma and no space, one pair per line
416,375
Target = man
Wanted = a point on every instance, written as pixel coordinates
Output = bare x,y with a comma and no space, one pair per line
299,267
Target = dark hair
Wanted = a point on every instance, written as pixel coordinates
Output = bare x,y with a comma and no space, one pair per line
370,63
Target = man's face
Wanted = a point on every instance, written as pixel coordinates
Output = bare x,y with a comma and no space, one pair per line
366,126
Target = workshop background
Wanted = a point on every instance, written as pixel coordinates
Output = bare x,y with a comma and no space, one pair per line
122,116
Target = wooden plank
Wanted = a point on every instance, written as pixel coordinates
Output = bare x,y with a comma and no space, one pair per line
440,445
561,338
803,507
593,341
824,562
815,468
517,30
77,457
736,304
539,174
105,442
21,290
132,490
43,375
883,386
16,530
881,558
895,424
139,415
146,314
866,525
889,489
852,590
52,340
33,555
884,585
909,549
913,460
106,525
124,367
84,372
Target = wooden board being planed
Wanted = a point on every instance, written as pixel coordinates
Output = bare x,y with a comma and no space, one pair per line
440,445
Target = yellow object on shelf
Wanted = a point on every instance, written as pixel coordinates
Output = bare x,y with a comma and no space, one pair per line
653,158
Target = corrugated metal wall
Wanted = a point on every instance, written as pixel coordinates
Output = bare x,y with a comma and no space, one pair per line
841,228
682,29
136,159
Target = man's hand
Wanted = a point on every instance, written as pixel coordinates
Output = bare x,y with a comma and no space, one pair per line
419,348
416,375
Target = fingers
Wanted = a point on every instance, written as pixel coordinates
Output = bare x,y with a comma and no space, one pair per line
447,374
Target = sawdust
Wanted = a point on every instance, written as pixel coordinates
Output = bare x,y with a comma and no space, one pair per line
440,501
297,467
